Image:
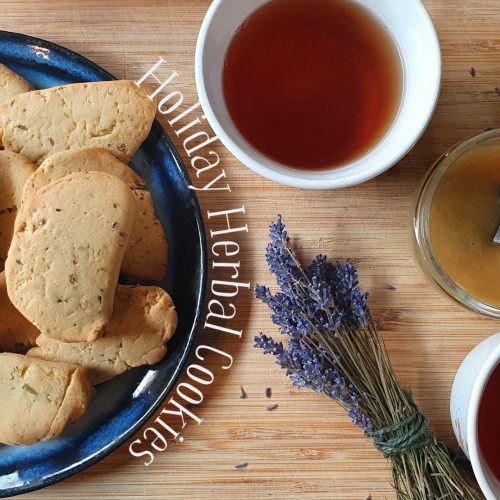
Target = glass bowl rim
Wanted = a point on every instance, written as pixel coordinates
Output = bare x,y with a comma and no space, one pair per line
421,239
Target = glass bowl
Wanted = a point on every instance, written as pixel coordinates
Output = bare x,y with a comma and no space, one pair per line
422,242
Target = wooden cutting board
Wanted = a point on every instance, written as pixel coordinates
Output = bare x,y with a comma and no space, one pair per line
306,448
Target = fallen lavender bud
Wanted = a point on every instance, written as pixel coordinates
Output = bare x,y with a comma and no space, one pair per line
243,394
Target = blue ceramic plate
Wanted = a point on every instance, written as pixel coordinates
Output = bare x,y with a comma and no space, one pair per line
120,407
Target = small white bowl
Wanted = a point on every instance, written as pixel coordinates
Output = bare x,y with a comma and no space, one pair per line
416,39
466,395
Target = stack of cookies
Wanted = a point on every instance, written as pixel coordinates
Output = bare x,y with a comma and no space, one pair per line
73,217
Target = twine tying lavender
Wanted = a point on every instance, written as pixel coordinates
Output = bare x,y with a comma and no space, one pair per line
404,437
333,348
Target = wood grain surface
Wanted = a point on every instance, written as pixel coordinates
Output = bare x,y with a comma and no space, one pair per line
306,448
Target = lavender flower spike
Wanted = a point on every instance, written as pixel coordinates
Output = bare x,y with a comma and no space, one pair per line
311,306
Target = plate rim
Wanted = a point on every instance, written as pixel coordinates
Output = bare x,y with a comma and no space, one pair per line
74,469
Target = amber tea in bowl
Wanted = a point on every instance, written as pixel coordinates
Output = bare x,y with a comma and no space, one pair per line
318,94
312,84
456,218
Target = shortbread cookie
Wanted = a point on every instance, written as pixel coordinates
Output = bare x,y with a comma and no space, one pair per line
143,320
80,160
14,171
115,115
66,253
17,334
11,84
147,254
39,398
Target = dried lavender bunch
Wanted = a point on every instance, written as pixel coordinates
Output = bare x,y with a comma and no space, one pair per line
333,348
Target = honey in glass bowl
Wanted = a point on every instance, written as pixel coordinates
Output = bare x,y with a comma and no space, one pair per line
456,217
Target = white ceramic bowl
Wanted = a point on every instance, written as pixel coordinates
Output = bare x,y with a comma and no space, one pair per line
416,39
466,394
